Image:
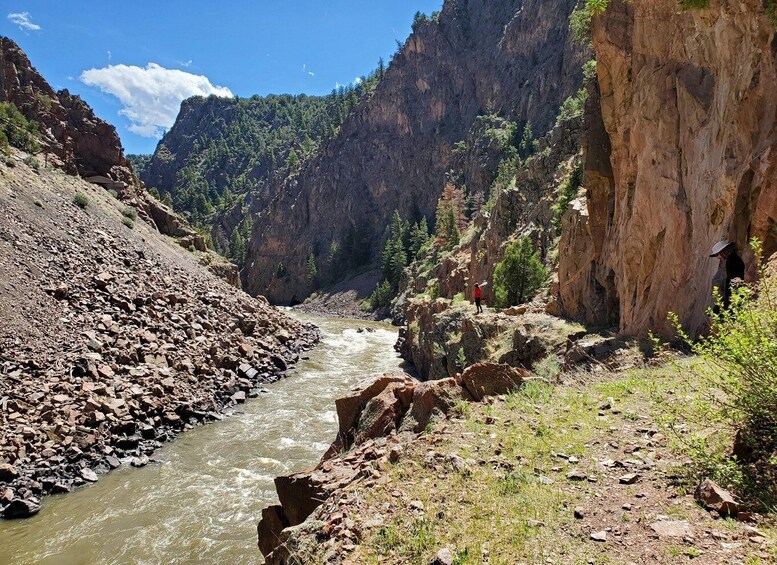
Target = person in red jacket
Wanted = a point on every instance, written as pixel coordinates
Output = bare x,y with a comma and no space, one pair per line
478,292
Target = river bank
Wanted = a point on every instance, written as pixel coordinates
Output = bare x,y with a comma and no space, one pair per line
113,338
581,471
200,504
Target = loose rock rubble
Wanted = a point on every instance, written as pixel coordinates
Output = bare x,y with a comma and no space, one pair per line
113,340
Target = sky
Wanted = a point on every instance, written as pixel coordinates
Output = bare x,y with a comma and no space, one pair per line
133,62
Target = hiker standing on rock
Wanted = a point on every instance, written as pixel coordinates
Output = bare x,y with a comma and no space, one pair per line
478,292
726,252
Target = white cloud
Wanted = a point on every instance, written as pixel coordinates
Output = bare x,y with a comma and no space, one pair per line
357,81
152,95
22,19
110,55
186,63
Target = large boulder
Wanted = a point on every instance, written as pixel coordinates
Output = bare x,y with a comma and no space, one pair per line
350,407
383,413
270,527
301,493
435,397
19,508
488,379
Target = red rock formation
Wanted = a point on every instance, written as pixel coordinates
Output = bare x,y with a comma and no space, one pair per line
683,156
381,413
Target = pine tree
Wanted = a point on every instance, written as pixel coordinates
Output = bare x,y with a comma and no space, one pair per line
237,248
519,275
312,270
418,238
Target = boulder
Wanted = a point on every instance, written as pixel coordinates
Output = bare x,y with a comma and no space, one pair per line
20,508
435,397
349,407
488,379
270,527
383,412
710,495
8,473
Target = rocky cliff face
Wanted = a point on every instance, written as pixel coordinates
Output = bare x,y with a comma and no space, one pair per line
393,151
680,154
80,143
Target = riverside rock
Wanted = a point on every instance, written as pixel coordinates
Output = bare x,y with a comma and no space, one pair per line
487,379
377,418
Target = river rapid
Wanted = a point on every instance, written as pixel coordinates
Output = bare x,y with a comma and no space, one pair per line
201,504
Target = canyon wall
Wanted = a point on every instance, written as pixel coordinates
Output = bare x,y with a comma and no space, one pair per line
680,153
393,151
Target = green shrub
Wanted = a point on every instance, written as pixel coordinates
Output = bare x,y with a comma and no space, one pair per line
461,359
580,26
81,200
382,295
694,4
519,275
16,130
129,212
573,106
32,162
740,355
567,193
128,222
548,368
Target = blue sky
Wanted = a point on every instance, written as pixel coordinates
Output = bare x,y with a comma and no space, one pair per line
134,61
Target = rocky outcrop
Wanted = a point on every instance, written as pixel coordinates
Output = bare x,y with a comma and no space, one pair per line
392,152
113,340
80,143
680,154
381,415
441,337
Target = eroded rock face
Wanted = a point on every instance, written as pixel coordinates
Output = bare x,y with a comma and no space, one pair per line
683,155
514,57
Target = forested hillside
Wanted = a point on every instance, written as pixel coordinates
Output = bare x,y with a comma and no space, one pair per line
221,149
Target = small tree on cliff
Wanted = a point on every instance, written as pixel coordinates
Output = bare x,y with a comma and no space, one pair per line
519,275
450,221
237,248
312,269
